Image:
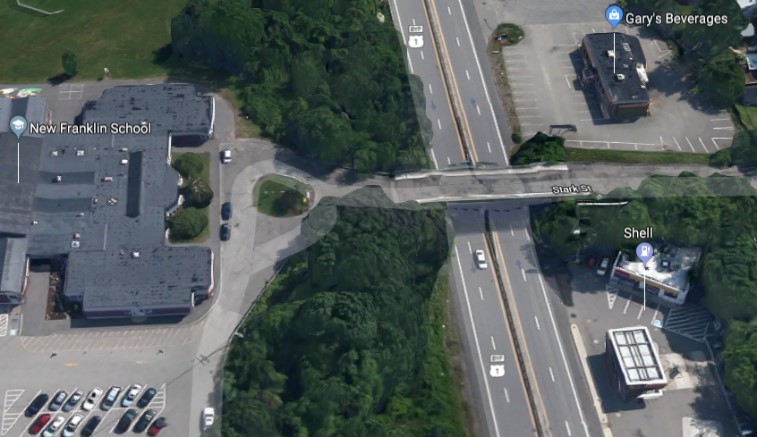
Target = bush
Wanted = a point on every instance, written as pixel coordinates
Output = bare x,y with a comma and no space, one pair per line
187,223
541,148
517,137
189,165
198,194
721,158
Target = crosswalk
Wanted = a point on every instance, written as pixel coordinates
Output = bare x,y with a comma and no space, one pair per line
9,419
690,321
107,340
3,325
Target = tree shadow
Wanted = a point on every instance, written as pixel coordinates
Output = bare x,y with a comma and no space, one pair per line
58,79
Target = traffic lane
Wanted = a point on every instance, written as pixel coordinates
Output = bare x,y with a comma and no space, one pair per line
423,62
476,95
504,398
555,368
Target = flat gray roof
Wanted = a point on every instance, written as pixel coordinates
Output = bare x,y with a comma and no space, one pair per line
12,264
17,199
32,108
637,356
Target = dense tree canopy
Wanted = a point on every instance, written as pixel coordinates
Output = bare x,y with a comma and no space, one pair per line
187,223
339,346
541,148
722,80
740,358
326,77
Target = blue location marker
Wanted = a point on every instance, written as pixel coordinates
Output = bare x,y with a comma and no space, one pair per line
18,125
645,252
613,15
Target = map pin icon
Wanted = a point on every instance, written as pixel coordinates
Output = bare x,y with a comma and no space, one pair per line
18,125
645,252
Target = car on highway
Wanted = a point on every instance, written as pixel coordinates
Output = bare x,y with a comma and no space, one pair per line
226,210
110,398
72,401
91,426
208,417
58,400
72,424
145,420
92,398
225,232
53,427
157,426
147,397
38,424
226,156
131,395
125,421
36,405
481,259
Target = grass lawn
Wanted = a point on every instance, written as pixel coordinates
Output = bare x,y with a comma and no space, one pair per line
633,157
205,175
747,116
125,36
280,196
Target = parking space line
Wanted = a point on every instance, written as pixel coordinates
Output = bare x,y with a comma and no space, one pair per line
703,146
568,81
692,147
677,145
628,302
3,325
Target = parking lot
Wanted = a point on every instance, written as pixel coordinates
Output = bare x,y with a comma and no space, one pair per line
15,401
693,394
543,74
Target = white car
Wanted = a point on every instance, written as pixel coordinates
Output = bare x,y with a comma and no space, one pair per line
131,395
226,156
92,399
72,424
481,259
54,427
208,417
602,269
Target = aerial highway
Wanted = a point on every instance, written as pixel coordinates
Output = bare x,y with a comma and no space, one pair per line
499,389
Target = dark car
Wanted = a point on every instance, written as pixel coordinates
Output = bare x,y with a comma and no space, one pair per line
91,426
125,421
72,401
146,397
157,426
39,423
225,232
58,400
36,405
226,211
144,421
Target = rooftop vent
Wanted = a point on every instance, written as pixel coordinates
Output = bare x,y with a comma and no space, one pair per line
611,53
124,161
626,47
620,77
135,254
75,244
77,235
108,179
80,152
54,153
124,149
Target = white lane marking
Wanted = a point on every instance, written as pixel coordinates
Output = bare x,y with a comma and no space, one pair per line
483,82
703,146
494,346
478,347
715,143
413,21
423,58
551,374
528,236
507,396
458,41
523,272
536,319
720,119
677,145
568,80
478,109
404,37
564,359
449,161
449,10
656,311
511,231
489,146
470,249
641,310
692,147
433,158
628,302
430,89
481,293
439,123
467,74
567,428
723,128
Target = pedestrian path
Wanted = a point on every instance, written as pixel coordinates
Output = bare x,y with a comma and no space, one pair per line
3,325
106,340
9,419
690,321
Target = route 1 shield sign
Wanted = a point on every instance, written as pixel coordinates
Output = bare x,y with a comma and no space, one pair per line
415,41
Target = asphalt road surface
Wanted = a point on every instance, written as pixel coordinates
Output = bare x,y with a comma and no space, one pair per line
500,394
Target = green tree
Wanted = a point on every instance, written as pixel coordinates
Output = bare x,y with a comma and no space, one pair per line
187,223
541,148
198,193
68,60
189,165
740,362
721,80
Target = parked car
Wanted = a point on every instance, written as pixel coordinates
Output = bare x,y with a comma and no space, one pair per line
225,232
58,400
147,396
602,269
91,426
157,426
226,211
125,421
40,423
72,424
53,427
72,401
481,259
36,405
110,398
92,398
226,156
145,420
131,395
208,417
